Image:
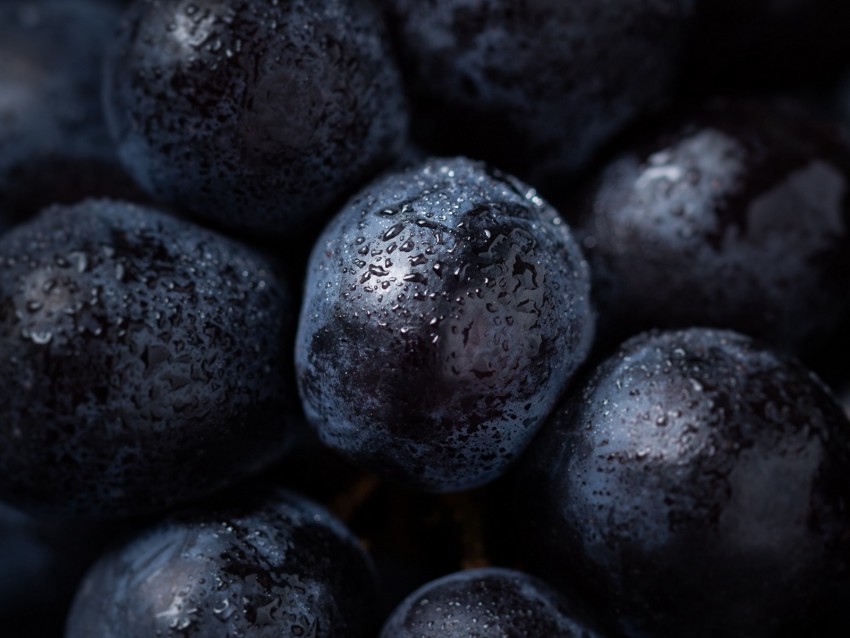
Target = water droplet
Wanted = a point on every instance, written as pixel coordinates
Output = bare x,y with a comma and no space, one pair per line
415,277
41,338
392,231
183,623
80,259
223,609
377,270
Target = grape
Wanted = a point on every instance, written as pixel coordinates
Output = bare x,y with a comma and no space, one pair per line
445,309
696,485
693,486
256,115
484,603
54,144
143,361
534,87
274,565
735,216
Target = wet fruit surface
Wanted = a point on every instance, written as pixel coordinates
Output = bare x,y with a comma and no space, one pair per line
445,309
255,115
736,215
486,603
694,486
695,475
143,360
278,565
487,81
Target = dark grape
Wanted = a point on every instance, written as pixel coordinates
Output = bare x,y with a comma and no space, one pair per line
257,115
278,566
54,144
445,309
735,216
143,360
695,486
534,87
485,603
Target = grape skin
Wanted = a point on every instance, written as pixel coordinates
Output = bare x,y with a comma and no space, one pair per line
485,603
695,474
274,565
143,358
446,308
256,115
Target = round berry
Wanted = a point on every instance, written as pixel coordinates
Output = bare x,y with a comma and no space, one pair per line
485,603
534,87
445,309
273,566
257,115
143,360
735,216
696,485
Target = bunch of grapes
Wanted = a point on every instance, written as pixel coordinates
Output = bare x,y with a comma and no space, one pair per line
445,319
